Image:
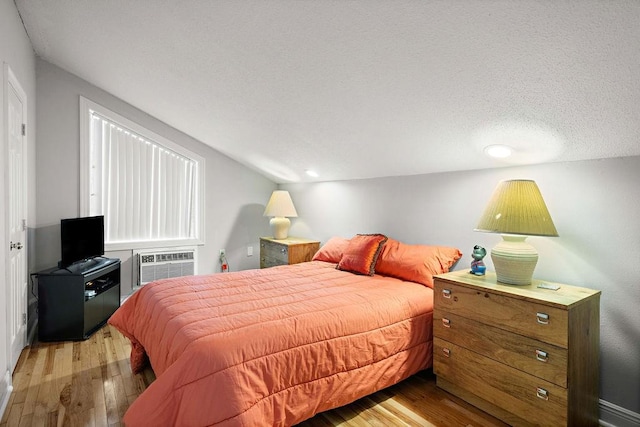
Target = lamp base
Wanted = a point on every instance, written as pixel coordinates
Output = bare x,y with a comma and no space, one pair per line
280,227
514,260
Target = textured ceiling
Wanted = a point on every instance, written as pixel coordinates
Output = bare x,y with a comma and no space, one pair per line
364,88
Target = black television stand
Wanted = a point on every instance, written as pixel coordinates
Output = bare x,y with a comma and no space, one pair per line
75,301
88,265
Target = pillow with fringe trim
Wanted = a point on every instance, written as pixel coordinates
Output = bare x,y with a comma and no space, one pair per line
361,254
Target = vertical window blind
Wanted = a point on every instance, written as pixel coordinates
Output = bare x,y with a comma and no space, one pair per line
145,191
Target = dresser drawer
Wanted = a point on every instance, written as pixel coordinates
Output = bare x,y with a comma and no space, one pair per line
535,357
537,401
533,319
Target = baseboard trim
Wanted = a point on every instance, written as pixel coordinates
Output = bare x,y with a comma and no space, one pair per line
616,416
5,392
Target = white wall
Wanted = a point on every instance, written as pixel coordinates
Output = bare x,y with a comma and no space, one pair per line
16,51
594,205
235,195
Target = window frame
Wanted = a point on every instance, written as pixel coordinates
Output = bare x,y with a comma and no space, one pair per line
87,107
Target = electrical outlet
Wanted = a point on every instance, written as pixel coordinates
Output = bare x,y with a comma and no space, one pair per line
249,250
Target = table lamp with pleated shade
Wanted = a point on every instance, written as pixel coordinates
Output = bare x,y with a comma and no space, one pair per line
516,210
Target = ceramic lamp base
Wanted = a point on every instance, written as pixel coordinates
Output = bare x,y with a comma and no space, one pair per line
514,260
280,227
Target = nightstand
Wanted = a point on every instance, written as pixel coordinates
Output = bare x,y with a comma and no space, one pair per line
291,250
526,355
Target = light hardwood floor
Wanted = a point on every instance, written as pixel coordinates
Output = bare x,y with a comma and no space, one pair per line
89,383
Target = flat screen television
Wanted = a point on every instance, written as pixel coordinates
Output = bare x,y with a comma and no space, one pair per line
81,239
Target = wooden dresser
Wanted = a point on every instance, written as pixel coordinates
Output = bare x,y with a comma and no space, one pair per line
291,250
526,355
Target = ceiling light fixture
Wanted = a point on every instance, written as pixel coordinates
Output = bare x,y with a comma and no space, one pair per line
312,173
498,151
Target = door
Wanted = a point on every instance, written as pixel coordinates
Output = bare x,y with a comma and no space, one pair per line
16,203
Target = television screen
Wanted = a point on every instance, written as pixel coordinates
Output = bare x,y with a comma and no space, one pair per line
81,238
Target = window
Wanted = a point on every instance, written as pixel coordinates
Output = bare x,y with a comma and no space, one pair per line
148,188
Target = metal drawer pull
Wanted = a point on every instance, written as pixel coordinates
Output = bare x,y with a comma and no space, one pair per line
542,356
446,322
542,393
543,318
446,293
446,352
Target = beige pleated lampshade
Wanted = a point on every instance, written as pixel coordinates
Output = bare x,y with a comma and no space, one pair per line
517,207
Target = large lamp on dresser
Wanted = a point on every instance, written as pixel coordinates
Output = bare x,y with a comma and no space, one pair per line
280,207
516,210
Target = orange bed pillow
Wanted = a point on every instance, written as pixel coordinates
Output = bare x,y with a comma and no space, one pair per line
361,254
415,263
332,250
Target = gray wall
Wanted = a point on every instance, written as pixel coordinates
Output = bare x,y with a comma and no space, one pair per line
16,52
594,205
235,195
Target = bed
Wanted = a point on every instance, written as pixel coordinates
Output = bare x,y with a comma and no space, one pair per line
274,346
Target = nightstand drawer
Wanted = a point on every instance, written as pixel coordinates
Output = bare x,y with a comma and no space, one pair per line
266,262
275,251
291,250
535,357
543,322
537,401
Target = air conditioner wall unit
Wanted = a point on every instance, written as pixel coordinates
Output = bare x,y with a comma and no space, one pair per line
165,263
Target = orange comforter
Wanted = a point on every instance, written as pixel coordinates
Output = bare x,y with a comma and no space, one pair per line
273,346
